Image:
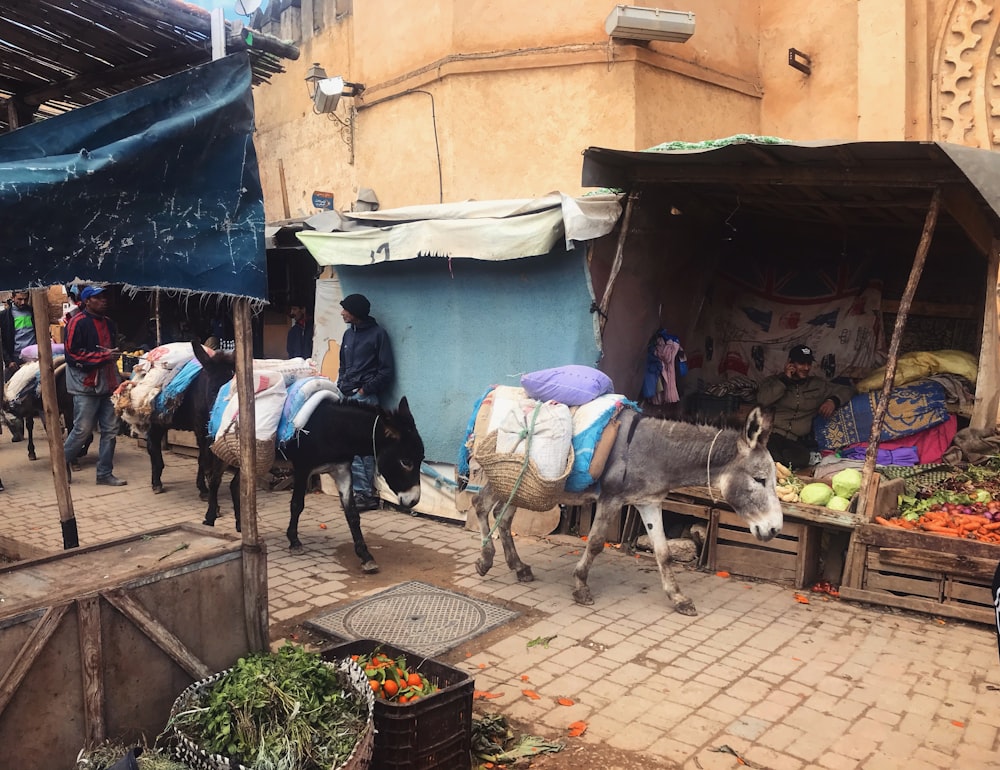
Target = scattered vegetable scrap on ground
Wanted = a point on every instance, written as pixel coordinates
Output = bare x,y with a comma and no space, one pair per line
392,680
825,587
724,749
801,599
722,574
531,694
541,640
576,729
484,695
564,701
493,742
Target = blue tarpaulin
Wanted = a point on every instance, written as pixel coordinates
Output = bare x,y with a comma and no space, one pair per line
154,188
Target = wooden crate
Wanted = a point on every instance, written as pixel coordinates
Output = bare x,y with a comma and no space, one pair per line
923,572
98,641
792,557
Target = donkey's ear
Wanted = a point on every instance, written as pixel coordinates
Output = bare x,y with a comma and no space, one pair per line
404,407
757,429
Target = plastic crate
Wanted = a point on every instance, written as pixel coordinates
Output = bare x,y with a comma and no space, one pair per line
433,733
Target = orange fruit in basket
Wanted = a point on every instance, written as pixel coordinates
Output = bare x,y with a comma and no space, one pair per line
390,688
414,680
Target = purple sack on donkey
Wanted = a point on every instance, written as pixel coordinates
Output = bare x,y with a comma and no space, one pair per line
572,385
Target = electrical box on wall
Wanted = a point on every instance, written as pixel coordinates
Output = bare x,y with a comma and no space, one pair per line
635,23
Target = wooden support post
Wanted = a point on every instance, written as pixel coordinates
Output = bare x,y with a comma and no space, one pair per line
985,410
50,404
867,497
854,564
254,553
616,266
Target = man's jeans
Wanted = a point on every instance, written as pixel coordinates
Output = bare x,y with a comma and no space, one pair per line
363,467
91,411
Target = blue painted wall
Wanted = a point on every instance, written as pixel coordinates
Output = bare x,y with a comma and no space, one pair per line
458,327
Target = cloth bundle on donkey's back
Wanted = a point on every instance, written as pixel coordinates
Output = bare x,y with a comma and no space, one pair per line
26,381
271,390
135,400
532,450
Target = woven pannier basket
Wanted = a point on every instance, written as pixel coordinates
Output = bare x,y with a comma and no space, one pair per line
187,750
227,449
534,492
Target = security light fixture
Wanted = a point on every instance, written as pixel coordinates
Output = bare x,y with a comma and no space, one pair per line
326,92
631,22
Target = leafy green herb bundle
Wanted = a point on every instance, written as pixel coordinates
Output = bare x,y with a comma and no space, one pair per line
278,711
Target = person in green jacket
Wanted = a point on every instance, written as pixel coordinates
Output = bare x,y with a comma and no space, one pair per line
796,396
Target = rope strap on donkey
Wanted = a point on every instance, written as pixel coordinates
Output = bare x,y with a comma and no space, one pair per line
526,434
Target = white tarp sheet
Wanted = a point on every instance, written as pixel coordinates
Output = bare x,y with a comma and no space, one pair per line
489,230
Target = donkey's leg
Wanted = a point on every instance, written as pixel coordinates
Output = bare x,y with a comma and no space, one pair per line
234,494
300,476
29,426
595,544
353,517
652,519
514,563
484,502
213,478
154,448
206,458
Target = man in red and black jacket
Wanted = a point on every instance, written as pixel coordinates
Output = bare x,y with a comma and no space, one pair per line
91,378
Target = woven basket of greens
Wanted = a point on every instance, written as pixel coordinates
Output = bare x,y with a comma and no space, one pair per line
288,710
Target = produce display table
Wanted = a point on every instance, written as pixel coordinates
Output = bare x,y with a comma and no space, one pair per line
920,571
792,557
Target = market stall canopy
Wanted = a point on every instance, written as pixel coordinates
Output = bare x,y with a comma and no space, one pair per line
154,188
487,230
856,184
58,55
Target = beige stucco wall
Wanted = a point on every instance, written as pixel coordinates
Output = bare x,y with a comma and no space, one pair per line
485,99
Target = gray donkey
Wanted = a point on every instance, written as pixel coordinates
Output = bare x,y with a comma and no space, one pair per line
650,457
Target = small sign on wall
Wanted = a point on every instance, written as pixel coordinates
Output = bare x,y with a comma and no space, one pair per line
323,200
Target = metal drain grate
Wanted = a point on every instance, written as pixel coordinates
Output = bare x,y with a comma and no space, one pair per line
416,616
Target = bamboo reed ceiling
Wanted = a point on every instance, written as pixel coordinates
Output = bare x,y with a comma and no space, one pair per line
57,55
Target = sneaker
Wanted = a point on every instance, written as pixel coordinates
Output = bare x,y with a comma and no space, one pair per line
366,503
111,481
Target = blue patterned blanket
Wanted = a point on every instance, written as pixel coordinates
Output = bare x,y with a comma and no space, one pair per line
912,408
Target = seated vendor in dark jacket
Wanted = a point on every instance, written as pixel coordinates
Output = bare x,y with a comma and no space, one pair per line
796,397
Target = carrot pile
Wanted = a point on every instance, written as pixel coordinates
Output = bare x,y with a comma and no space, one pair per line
970,526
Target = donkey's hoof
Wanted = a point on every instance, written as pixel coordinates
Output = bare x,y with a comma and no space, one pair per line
157,489
483,566
583,596
525,575
369,567
296,548
209,522
685,606
32,456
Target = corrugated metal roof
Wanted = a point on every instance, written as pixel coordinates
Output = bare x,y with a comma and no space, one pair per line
57,55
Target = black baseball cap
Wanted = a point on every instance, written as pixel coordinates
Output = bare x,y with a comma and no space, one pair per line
801,354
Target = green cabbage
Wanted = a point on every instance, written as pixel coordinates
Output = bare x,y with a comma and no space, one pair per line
816,493
846,483
838,503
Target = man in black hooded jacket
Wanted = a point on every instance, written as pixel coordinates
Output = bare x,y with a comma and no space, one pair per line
366,369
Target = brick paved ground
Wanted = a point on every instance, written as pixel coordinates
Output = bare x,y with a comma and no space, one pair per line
788,686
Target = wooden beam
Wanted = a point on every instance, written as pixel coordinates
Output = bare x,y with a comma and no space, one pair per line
965,208
29,651
616,266
157,633
50,405
254,552
88,612
867,494
985,409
